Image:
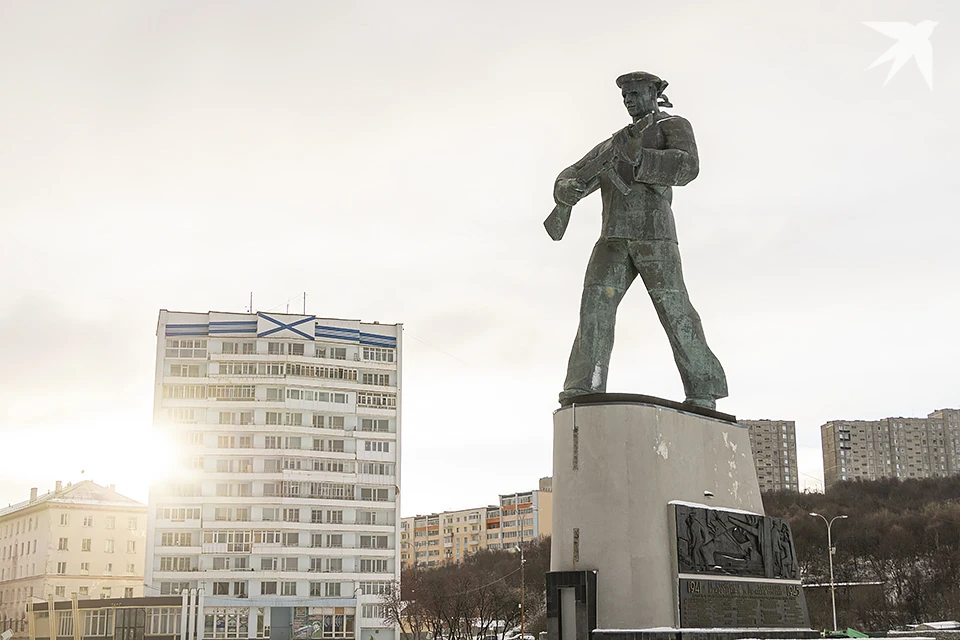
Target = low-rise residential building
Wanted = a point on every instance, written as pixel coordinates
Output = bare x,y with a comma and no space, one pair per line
450,536
79,538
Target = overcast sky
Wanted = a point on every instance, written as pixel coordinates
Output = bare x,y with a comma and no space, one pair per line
395,160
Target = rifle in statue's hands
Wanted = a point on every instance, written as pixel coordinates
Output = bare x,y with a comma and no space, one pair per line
589,175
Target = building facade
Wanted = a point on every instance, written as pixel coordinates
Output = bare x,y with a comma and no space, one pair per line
774,446
79,539
153,617
285,506
891,447
443,538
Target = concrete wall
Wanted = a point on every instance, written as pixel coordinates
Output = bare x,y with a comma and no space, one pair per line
615,469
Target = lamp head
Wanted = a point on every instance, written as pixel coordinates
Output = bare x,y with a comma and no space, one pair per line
815,515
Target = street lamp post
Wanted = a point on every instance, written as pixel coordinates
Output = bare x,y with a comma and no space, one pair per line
830,551
522,587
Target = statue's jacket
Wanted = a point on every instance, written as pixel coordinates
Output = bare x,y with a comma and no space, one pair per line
667,158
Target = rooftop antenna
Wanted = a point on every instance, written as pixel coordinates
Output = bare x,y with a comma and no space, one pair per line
250,308
304,303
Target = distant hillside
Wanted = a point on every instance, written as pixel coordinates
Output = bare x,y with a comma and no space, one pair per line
904,533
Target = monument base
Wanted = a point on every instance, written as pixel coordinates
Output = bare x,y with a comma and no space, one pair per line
651,499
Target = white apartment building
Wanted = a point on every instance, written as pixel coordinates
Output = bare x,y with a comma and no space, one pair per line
285,509
79,539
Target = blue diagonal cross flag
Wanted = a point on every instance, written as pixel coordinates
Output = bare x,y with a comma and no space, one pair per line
270,326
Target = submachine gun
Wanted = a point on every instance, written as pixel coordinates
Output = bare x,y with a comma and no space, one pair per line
605,163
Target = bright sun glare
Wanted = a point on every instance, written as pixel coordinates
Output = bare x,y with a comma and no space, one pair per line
100,451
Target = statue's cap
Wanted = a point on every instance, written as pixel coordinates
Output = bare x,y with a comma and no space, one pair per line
642,76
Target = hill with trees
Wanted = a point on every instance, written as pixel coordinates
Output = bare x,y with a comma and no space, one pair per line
903,533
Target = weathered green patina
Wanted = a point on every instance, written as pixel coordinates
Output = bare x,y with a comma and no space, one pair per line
636,170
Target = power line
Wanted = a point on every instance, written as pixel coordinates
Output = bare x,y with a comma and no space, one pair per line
483,586
450,355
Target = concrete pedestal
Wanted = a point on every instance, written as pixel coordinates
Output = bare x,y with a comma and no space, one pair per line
616,466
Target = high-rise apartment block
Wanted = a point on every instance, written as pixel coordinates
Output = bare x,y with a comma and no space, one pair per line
450,536
285,506
774,446
79,539
891,447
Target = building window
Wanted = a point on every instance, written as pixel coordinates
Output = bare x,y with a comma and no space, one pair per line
173,588
373,565
85,544
373,424
375,588
108,546
221,588
379,379
375,468
60,591
373,542
373,611
268,588
191,348
376,495
128,592
83,591
376,400
85,568
164,621
108,569
64,519
377,354
132,524
175,563
376,445
88,521
64,623
62,546
61,568
131,546
334,540
185,370
239,348
97,622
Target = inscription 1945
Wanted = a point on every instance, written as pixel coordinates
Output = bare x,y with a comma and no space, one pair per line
726,603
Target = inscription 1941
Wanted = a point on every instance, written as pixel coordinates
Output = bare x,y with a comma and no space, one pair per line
728,603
